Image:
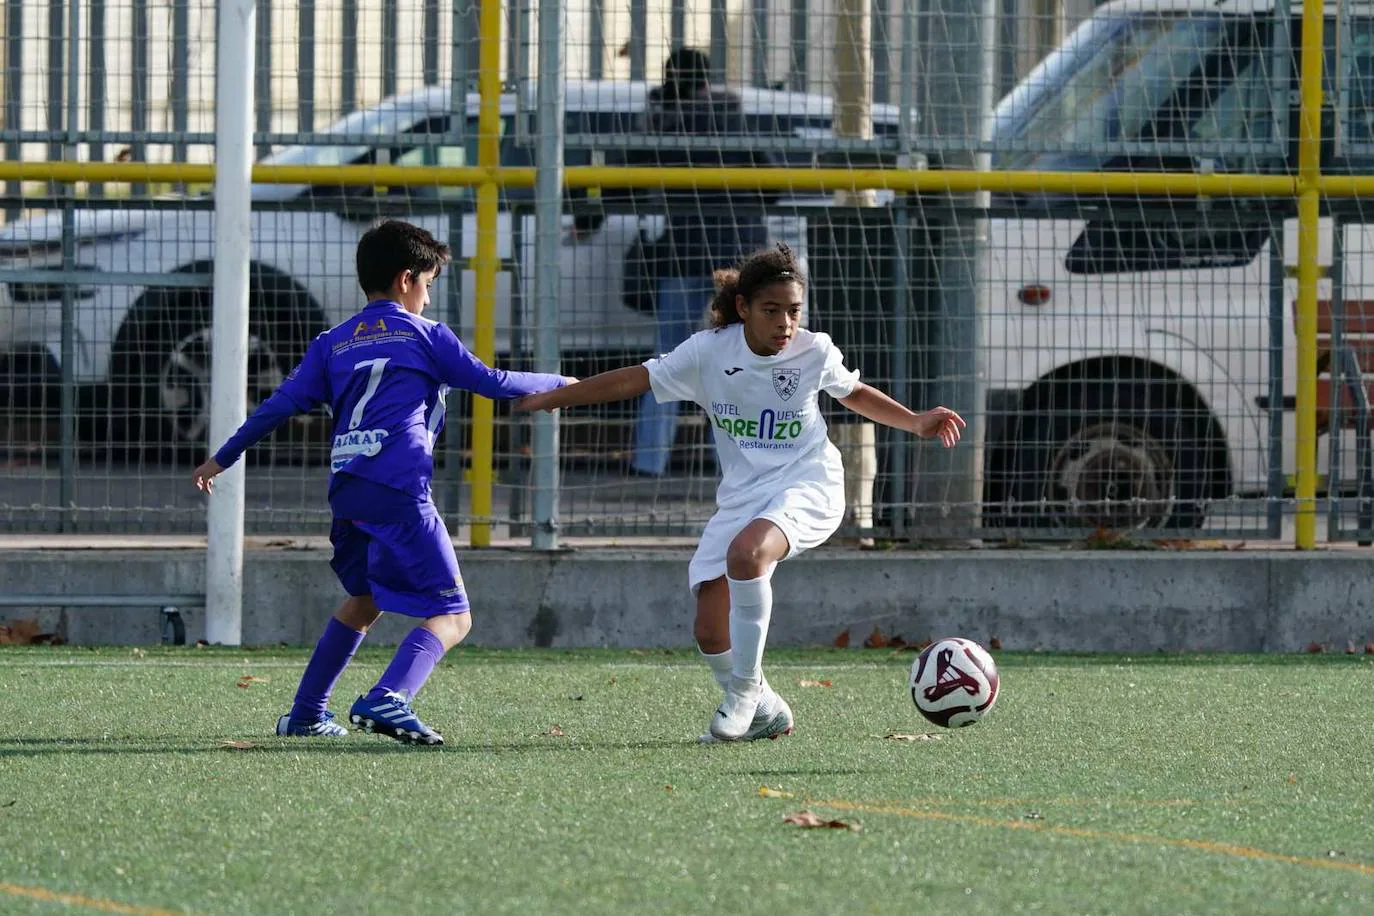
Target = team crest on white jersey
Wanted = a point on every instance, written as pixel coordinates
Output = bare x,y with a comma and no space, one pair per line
786,382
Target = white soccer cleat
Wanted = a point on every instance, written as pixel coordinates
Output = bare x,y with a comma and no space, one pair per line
737,712
774,723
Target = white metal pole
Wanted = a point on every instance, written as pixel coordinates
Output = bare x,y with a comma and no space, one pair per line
548,232
229,348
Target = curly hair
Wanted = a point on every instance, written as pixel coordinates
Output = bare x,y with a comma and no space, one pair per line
764,268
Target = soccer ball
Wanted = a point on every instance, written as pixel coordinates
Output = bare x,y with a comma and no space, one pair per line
954,682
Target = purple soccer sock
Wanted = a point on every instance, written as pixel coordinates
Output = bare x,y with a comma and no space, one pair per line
331,656
415,658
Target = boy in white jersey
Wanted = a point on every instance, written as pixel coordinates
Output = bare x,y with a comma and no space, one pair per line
757,374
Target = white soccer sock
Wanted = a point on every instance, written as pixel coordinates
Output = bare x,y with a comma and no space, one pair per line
721,670
719,664
751,606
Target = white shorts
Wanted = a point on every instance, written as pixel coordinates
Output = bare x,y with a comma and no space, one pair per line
807,516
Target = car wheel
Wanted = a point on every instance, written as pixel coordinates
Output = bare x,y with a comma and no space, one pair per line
162,368
1115,456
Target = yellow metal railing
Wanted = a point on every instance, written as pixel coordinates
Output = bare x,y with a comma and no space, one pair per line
489,177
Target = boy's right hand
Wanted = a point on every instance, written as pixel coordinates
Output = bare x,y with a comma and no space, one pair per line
205,475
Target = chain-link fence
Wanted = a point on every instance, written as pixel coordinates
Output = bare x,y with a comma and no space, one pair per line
1106,285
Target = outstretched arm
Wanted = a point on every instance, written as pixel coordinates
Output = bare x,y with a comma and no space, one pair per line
304,389
941,422
616,385
461,369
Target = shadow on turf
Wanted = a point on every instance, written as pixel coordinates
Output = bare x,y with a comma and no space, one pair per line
40,747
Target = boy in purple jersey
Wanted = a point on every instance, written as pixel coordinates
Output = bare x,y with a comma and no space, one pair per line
384,374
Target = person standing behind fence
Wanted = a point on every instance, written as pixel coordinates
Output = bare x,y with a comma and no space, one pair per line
706,230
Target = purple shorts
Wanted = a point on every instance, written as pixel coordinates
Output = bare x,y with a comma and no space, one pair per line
407,567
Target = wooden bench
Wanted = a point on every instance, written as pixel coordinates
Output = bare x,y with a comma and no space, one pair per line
1353,363
1356,361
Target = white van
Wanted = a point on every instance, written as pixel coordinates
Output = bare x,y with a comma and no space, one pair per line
146,345
1127,351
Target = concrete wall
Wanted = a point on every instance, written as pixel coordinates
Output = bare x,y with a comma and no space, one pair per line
1239,601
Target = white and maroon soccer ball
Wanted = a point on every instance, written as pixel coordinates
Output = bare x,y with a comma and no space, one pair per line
954,682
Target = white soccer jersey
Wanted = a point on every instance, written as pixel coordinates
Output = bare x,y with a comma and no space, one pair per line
768,427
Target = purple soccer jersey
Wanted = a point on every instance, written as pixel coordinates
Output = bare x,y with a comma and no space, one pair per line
384,374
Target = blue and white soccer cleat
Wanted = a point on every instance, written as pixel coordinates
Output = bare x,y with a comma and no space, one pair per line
393,717
323,727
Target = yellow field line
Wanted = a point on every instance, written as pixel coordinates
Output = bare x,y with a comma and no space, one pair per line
91,903
1048,802
1223,849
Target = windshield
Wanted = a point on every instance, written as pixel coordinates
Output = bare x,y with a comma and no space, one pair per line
385,120
1105,85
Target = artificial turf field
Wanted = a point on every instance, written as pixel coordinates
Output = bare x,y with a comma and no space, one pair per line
572,782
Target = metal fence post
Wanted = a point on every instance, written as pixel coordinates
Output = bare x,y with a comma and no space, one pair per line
229,347
486,261
67,433
548,220
1277,481
957,99
1305,322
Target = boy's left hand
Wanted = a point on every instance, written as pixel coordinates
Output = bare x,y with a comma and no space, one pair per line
941,422
205,475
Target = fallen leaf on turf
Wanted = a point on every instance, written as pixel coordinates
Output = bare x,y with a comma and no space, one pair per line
842,641
894,736
809,819
20,633
249,680
238,745
765,792
876,640
809,683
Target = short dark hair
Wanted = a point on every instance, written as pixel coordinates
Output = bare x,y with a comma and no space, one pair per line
687,68
772,265
392,247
